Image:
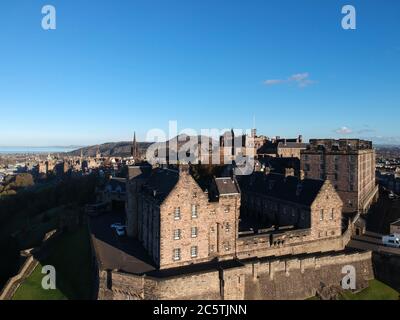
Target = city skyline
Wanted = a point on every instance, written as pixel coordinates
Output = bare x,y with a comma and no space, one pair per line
134,66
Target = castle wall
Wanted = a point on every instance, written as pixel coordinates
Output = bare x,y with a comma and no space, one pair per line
292,278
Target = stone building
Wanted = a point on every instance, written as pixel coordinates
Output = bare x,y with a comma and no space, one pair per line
263,236
349,164
285,148
179,223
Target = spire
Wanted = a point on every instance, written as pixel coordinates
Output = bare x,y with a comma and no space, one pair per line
98,154
134,148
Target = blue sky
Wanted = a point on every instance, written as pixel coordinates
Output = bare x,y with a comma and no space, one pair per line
114,67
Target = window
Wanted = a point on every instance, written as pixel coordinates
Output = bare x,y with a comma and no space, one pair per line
194,232
194,211
177,213
227,208
193,251
332,214
177,234
177,254
212,230
212,248
321,215
307,167
227,246
227,227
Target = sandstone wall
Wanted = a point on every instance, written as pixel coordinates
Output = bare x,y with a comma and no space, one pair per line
294,278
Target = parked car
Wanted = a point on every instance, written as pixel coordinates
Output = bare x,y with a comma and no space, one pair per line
392,240
119,228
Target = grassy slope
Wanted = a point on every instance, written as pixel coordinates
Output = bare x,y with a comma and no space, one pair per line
70,255
376,291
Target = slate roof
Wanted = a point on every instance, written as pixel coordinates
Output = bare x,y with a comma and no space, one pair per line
396,223
116,183
227,186
284,188
160,183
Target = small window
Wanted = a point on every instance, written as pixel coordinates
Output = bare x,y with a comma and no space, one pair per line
227,209
177,234
194,232
177,254
321,215
332,214
212,229
212,248
227,246
194,211
177,213
193,251
227,227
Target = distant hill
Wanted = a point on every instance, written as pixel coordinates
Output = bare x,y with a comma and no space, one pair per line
117,149
120,149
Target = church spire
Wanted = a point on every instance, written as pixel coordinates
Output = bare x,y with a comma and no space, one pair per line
134,148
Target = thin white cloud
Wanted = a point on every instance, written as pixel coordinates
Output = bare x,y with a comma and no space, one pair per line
343,130
301,79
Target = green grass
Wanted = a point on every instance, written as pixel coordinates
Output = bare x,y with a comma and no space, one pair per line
376,291
31,289
70,255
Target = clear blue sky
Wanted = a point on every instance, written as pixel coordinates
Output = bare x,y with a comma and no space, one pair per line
115,66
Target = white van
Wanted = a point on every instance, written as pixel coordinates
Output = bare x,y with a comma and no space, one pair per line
392,240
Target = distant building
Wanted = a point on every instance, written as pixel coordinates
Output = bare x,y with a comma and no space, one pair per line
286,148
349,164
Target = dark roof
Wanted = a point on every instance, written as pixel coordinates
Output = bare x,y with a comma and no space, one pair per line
284,188
226,186
292,145
278,164
160,183
139,171
396,223
116,182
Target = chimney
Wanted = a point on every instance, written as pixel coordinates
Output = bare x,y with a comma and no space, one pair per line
300,139
289,172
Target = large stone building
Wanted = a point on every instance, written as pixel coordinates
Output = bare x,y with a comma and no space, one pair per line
179,223
263,236
349,164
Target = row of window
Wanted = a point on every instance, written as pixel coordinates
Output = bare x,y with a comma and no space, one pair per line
178,233
195,232
193,253
195,213
322,214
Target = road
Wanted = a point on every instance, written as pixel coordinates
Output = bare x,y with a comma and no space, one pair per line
371,241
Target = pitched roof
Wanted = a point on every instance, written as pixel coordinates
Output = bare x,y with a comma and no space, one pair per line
284,188
160,183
